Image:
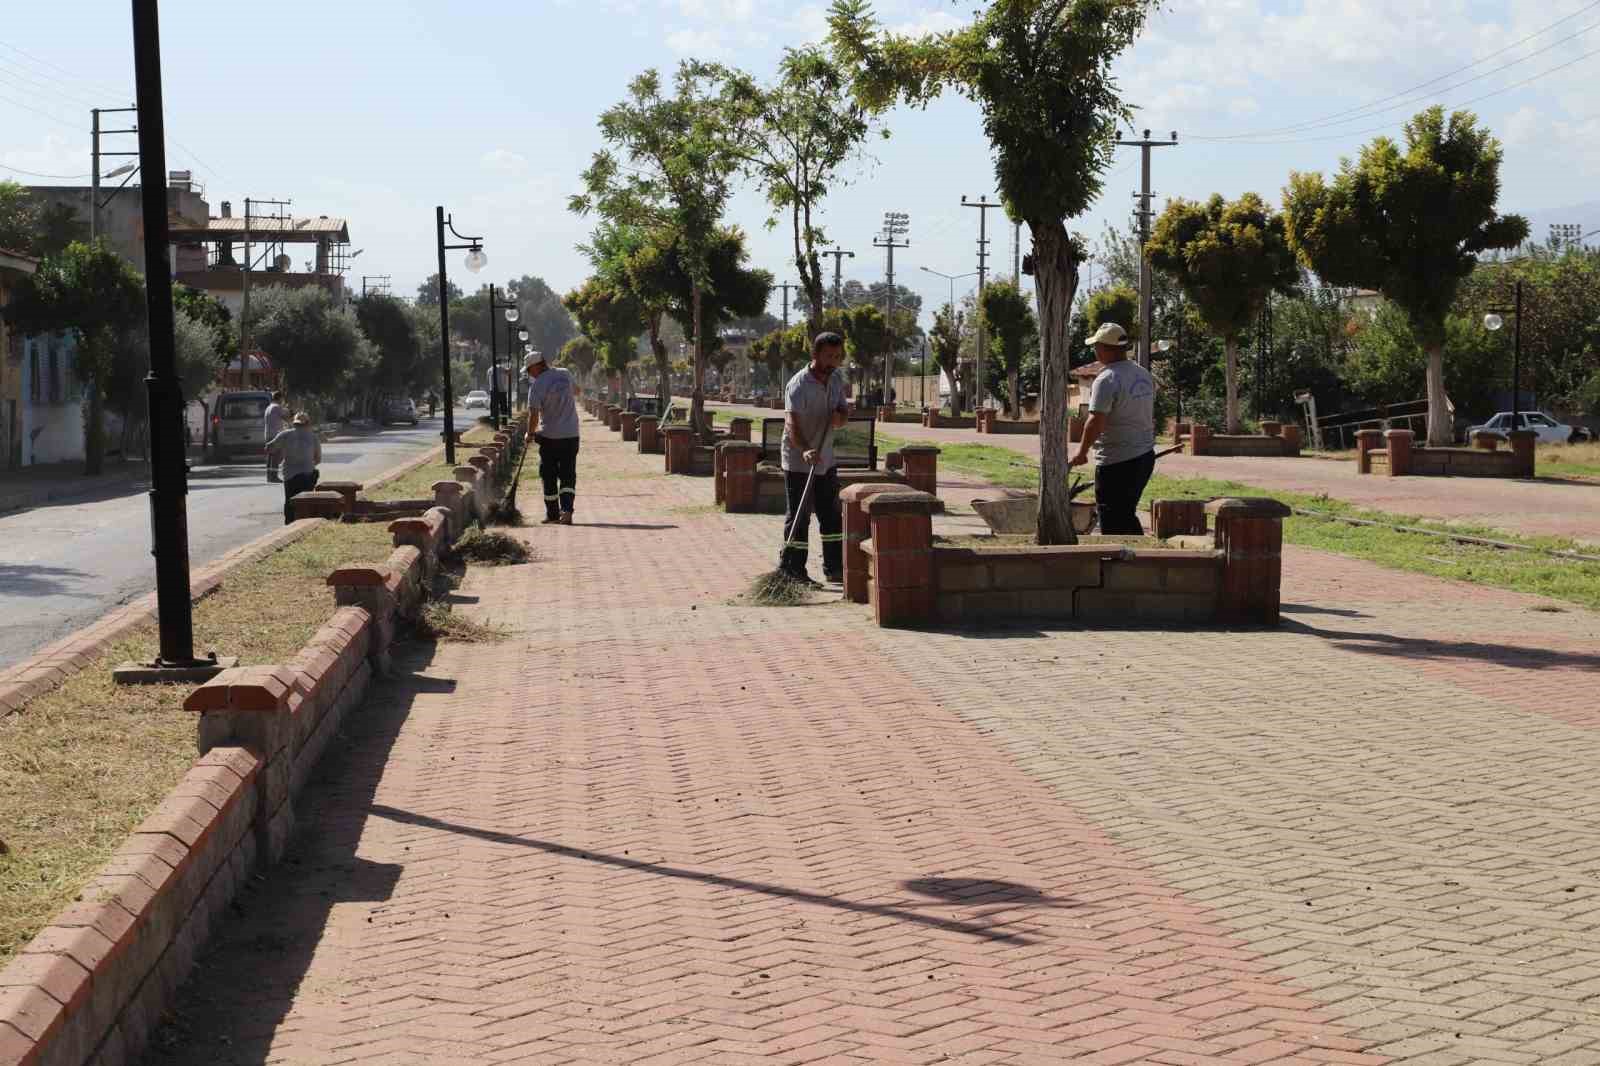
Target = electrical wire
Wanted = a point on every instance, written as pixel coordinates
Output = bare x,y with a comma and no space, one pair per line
36,174
77,79
34,84
42,114
1390,125
1337,117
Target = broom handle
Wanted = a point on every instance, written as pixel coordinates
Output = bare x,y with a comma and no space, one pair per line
805,493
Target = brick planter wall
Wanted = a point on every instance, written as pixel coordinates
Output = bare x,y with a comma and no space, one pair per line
1202,441
679,449
936,420
94,984
995,424
628,423
739,461
649,435
1399,455
914,581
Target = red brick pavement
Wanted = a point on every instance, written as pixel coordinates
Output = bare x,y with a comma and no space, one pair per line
661,827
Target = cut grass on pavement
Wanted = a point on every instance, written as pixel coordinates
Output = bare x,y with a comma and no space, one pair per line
84,764
1530,572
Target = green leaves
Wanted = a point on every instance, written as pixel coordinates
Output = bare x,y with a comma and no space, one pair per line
1227,256
1012,329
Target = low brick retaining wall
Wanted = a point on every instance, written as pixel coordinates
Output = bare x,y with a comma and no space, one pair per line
742,484
990,422
893,562
93,985
1395,453
936,420
1276,441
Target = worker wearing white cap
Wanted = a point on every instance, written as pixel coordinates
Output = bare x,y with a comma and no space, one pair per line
1120,434
552,402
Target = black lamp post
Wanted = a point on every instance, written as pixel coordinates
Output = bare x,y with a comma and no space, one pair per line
496,409
169,470
1493,322
474,262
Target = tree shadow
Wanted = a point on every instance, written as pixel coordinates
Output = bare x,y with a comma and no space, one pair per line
246,981
1394,646
618,525
24,580
1306,608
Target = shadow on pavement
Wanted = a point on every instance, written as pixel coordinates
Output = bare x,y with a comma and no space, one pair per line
25,580
981,932
1394,646
245,983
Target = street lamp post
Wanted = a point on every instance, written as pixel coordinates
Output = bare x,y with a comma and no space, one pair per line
1493,321
512,314
169,472
513,372
952,279
474,262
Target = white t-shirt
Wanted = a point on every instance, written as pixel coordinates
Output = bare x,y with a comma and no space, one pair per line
274,418
1126,394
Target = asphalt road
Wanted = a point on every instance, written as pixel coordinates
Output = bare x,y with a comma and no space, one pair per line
65,564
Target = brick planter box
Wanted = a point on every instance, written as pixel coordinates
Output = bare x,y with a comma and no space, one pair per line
914,467
1283,443
911,579
649,435
1395,453
936,420
994,424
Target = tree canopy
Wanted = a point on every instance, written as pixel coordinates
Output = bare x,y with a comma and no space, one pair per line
1012,332
1228,257
1409,222
309,337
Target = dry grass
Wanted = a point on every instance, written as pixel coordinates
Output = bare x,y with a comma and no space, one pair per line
417,484
490,549
83,765
1569,460
438,622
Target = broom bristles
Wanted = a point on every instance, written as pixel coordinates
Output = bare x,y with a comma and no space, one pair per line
777,589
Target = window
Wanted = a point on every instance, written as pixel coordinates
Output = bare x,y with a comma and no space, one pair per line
55,374
243,407
1539,420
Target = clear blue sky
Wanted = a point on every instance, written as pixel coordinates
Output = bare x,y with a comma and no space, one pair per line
378,111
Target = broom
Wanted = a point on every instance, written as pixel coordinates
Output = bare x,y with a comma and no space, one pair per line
776,588
507,514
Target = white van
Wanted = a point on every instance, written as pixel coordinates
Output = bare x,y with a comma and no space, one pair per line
238,424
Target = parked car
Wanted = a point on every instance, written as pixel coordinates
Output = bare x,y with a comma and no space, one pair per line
398,409
1549,430
476,398
238,424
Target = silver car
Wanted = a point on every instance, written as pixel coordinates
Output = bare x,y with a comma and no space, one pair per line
238,424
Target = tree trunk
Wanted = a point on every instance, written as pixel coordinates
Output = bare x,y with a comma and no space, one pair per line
658,348
1014,384
1441,426
1055,283
1230,345
697,400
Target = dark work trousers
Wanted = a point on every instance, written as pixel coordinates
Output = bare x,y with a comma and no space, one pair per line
824,502
1117,488
293,486
558,469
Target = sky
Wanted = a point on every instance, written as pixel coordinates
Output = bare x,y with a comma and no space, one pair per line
378,111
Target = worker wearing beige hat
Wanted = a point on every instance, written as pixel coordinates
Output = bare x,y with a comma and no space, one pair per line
301,450
1120,435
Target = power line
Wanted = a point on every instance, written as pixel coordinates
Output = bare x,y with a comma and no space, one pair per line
1355,112
77,79
36,174
42,114
54,88
1390,125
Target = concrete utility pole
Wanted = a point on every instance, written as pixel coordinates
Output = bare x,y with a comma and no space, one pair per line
786,286
895,223
984,207
838,259
1146,313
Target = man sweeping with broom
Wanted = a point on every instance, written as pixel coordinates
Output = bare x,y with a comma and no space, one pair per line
814,406
553,424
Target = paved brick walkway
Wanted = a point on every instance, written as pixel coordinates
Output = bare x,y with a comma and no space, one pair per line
657,827
1550,506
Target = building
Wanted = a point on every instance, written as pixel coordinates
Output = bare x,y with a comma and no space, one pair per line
210,254
121,215
13,267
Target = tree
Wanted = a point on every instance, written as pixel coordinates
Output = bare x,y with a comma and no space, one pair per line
578,354
543,314
867,338
1011,330
311,339
93,293
945,345
428,292
610,317
401,364
19,218
769,351
612,251
1228,258
1119,304
1409,224
675,174
1040,73
793,138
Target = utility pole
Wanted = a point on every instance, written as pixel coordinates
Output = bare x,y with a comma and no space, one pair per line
1146,313
895,223
984,207
95,155
786,286
838,259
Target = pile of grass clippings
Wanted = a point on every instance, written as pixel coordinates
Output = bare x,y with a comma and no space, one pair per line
490,549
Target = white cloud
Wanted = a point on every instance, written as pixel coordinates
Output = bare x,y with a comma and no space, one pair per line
52,155
707,44
928,22
504,161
